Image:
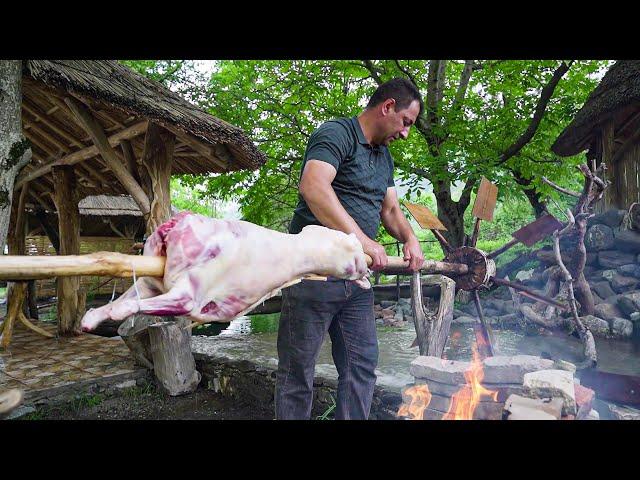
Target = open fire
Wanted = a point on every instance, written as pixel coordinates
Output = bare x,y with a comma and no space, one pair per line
463,403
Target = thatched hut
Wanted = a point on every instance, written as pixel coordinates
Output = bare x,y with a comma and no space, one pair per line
98,128
608,127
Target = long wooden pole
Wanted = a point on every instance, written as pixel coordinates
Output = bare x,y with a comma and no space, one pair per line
26,267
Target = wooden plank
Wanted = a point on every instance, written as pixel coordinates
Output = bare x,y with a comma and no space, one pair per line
425,217
208,152
43,117
109,155
84,154
486,199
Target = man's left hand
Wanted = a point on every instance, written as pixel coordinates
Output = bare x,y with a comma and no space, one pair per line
413,253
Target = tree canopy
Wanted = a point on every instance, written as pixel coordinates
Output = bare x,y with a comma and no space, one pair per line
493,118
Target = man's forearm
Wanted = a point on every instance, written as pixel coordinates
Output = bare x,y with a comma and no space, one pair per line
398,226
325,206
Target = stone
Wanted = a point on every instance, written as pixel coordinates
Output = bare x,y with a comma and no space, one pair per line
629,303
607,311
603,289
444,389
623,412
464,319
399,316
523,275
627,241
621,328
608,274
611,218
592,259
19,412
614,258
599,237
630,270
560,364
387,303
509,319
458,313
388,312
523,408
597,325
621,284
552,383
439,370
584,400
634,317
511,369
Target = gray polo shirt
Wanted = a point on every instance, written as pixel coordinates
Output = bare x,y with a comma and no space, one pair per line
364,173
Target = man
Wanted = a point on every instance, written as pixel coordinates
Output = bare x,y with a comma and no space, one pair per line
346,184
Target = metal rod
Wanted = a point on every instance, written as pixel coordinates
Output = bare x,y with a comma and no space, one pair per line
485,341
474,235
442,240
527,292
503,248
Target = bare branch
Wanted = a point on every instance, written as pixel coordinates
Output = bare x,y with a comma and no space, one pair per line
407,73
559,188
465,76
368,64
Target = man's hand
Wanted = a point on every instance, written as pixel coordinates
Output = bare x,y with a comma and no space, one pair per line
376,252
413,253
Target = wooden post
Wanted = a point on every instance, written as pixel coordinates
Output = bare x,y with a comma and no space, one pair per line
157,159
66,201
432,329
613,168
173,362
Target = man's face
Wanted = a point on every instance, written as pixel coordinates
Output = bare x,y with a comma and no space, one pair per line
398,123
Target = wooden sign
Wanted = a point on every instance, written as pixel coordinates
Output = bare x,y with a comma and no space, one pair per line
485,200
424,216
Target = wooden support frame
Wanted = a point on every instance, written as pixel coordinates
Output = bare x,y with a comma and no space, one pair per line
157,161
432,329
97,134
209,153
84,154
66,201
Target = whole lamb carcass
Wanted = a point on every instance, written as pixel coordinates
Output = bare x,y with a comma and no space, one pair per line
217,270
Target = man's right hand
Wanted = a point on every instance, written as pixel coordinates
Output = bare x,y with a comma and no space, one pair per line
377,254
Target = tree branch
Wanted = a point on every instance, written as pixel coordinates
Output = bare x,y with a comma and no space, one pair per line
543,101
407,73
373,71
559,188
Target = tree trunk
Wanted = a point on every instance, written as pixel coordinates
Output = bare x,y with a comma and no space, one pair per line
450,215
157,159
66,201
15,152
173,362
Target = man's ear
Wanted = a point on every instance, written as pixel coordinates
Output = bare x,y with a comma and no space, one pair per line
388,105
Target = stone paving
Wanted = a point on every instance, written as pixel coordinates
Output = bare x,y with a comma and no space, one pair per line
37,365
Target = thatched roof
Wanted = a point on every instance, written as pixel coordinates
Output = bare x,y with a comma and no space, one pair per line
123,103
121,87
109,205
619,89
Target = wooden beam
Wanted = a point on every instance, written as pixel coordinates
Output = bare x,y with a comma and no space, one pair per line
85,153
66,201
41,116
157,161
93,128
130,159
47,136
208,152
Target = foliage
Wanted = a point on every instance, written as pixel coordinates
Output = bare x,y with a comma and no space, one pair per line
463,135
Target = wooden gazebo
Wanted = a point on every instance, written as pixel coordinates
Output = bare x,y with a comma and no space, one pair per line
608,127
98,128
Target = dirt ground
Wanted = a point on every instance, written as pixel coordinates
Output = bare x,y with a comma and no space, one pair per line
147,403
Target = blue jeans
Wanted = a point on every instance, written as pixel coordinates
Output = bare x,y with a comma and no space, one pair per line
310,309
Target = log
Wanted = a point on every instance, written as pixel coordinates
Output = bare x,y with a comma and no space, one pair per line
173,362
66,200
432,329
135,334
26,267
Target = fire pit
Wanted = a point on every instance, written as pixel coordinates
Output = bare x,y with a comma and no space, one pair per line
501,387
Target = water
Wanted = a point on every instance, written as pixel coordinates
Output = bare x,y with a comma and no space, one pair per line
254,338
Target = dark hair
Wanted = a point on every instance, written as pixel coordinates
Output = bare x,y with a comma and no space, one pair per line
401,90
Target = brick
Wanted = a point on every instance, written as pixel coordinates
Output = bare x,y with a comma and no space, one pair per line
584,400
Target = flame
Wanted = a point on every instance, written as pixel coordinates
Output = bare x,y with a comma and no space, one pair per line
464,401
420,399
